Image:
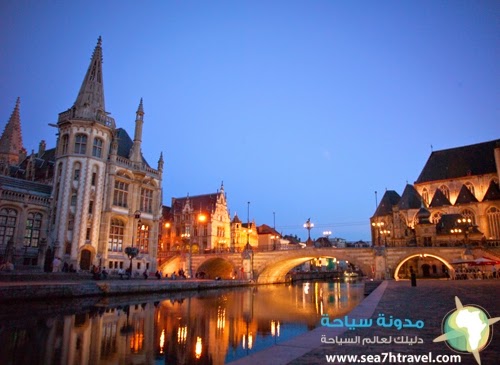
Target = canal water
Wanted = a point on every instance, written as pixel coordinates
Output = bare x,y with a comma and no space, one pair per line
206,327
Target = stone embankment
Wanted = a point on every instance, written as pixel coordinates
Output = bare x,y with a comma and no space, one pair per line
16,286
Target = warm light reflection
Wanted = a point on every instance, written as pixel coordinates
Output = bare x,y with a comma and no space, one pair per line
306,288
250,341
181,335
198,347
162,341
221,318
275,328
136,342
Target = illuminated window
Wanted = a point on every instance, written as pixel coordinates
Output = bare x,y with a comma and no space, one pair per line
446,192
425,196
143,238
115,241
469,186
32,231
469,214
493,217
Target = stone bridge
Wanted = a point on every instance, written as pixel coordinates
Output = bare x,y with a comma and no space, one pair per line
272,266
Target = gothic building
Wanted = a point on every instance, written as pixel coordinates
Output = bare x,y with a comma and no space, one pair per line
455,200
104,196
200,223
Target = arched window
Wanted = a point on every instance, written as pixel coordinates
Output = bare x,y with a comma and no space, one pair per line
8,218
470,186
425,196
33,229
115,241
436,217
493,216
97,147
143,238
467,213
80,144
64,144
446,192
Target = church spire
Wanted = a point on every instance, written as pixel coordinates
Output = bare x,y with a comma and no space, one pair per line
135,151
90,99
11,141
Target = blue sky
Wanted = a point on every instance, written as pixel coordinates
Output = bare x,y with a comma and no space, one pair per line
303,108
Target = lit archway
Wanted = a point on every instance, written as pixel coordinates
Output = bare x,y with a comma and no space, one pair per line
396,271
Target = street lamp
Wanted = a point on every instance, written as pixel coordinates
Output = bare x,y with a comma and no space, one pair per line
308,225
378,227
385,233
466,223
202,218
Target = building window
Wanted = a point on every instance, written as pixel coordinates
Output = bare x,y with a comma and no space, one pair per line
80,144
425,196
115,241
94,178
493,217
71,222
76,171
120,196
97,148
143,238
436,217
147,200
73,199
469,214
64,144
8,218
446,192
91,206
469,186
32,232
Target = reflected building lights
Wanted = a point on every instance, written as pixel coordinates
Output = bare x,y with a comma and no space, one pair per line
182,335
162,341
275,328
198,347
221,318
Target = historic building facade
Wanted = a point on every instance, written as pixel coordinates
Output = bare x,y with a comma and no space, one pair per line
104,196
455,200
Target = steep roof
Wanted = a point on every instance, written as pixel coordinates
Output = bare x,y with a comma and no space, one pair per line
465,196
476,159
493,192
389,199
205,202
11,141
25,186
265,229
410,199
125,143
439,199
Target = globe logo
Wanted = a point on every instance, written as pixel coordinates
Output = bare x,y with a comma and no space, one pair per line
467,329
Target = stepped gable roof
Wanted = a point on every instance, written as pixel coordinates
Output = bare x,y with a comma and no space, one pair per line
25,186
125,144
265,229
476,159
389,199
493,192
465,196
439,199
410,199
205,203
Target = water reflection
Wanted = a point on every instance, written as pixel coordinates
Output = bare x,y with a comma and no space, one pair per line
210,327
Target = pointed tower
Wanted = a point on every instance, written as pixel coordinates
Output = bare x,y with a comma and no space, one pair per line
135,151
86,132
11,141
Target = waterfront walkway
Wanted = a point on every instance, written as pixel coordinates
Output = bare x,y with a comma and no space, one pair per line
429,301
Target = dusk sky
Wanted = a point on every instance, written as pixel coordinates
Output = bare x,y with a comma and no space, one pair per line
303,108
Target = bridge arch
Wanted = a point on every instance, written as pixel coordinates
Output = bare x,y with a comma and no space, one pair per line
451,270
274,268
